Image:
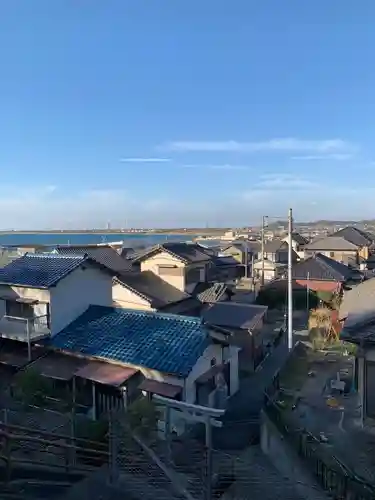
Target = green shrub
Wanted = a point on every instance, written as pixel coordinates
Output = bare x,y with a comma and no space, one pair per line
93,430
31,388
143,416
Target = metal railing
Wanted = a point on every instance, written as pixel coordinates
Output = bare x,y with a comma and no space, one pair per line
24,329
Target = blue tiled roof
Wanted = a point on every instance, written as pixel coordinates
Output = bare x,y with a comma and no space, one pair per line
39,270
164,342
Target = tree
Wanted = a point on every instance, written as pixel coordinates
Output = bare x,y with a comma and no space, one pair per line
143,416
31,388
321,328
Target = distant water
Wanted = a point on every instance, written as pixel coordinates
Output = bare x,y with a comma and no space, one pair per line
52,239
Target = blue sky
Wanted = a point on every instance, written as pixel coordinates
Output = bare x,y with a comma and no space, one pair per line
166,112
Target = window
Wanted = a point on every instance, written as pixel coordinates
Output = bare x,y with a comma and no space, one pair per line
18,309
169,271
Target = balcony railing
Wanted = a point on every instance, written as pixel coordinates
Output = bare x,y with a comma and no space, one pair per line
24,329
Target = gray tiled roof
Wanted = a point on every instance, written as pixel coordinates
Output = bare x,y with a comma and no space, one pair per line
209,293
356,236
187,252
164,342
39,270
298,238
275,245
361,332
252,246
233,315
322,268
331,243
358,303
155,290
104,255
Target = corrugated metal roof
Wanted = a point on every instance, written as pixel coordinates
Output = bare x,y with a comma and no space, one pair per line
211,292
105,373
39,270
163,342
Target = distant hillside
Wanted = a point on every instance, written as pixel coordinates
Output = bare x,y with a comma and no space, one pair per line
323,223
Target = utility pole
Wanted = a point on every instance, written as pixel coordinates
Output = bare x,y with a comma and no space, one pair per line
290,280
308,293
246,259
264,217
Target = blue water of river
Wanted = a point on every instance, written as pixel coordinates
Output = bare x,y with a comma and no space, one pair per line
51,239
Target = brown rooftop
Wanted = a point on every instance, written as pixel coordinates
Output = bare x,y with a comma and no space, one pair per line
105,373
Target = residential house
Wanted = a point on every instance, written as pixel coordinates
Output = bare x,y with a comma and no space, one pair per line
349,245
102,254
363,240
182,265
211,247
41,293
173,356
358,303
245,323
147,291
225,269
357,317
269,269
275,260
359,329
243,251
298,243
321,273
334,247
277,251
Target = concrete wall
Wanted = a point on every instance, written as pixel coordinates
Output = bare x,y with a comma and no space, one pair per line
203,365
14,292
122,297
287,462
85,286
213,351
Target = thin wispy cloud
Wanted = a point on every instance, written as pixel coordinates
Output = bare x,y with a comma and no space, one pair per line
145,160
284,182
329,157
286,144
218,167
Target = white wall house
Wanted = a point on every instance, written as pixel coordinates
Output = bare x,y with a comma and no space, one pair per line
41,294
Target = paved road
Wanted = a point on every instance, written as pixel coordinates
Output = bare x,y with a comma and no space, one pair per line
242,418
